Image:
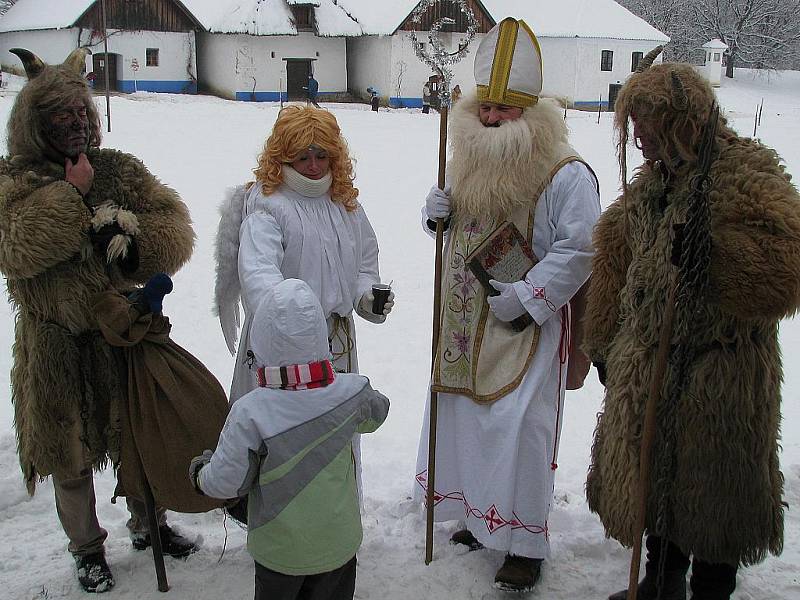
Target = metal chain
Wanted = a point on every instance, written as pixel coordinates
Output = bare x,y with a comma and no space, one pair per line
689,302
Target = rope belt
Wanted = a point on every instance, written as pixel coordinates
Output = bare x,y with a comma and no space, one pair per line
340,340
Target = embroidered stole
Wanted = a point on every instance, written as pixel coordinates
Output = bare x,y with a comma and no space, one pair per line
478,355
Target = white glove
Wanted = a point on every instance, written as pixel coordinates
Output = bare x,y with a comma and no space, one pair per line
437,204
365,307
197,464
506,306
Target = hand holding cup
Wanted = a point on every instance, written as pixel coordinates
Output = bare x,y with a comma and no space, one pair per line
376,303
382,298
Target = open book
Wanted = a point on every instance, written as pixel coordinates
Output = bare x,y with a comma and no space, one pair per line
503,256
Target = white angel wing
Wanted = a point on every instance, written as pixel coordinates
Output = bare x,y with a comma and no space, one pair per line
227,289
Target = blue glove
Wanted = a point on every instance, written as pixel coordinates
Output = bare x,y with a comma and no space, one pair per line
153,292
505,306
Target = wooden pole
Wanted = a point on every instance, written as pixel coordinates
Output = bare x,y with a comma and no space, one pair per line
599,107
437,309
648,435
155,538
150,510
697,214
105,64
755,122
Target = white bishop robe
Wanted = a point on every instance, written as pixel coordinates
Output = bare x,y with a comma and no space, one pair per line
495,463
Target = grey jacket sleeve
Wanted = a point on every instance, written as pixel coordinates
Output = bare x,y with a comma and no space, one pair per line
234,465
374,410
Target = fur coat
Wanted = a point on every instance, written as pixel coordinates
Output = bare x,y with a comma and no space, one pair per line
65,379
726,494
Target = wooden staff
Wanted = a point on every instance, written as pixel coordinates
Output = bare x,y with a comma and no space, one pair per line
692,284
437,324
155,537
440,59
648,435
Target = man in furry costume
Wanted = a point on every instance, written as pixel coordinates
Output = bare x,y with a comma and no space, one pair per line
74,221
501,391
724,491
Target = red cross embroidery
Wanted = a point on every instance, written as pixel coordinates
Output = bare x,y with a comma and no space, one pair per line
538,293
493,519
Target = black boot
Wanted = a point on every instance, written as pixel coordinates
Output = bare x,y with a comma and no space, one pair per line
465,537
712,581
518,574
93,573
172,544
675,567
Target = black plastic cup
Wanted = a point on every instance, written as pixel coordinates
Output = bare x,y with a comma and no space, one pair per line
380,294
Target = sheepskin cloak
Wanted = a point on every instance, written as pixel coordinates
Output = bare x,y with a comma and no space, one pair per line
66,380
726,495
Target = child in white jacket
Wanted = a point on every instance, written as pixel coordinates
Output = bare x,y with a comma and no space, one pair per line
287,444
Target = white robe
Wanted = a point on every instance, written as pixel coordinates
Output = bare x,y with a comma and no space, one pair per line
335,251
287,235
495,463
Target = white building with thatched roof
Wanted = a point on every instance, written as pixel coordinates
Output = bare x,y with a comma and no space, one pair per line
266,49
151,43
589,47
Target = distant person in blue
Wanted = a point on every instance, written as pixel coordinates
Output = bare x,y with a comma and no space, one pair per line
313,89
375,99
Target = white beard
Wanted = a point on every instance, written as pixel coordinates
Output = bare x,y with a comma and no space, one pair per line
497,169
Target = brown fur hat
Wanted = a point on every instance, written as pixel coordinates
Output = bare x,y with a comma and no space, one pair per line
675,100
49,88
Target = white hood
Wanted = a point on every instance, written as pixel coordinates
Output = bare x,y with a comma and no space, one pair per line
289,327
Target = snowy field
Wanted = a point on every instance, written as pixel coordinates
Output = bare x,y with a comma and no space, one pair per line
199,145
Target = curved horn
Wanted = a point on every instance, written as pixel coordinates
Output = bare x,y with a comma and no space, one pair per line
76,61
32,63
680,100
648,59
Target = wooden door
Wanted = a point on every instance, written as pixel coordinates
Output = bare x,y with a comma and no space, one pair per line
297,72
99,63
613,91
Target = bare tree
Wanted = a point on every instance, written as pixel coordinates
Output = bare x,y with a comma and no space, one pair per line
401,71
763,34
672,17
759,33
5,5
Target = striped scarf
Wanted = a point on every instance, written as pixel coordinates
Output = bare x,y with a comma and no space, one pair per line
297,377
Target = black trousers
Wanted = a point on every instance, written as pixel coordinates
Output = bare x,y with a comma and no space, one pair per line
709,581
339,584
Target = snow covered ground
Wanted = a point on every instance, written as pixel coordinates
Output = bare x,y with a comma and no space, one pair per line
200,145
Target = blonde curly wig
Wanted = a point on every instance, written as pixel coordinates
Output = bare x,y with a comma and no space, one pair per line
297,128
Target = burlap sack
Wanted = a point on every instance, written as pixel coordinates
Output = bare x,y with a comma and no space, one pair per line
175,408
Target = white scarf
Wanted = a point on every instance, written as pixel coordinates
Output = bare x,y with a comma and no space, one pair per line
310,188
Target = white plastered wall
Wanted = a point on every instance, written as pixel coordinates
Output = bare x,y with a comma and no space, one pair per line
572,66
368,60
230,63
177,56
